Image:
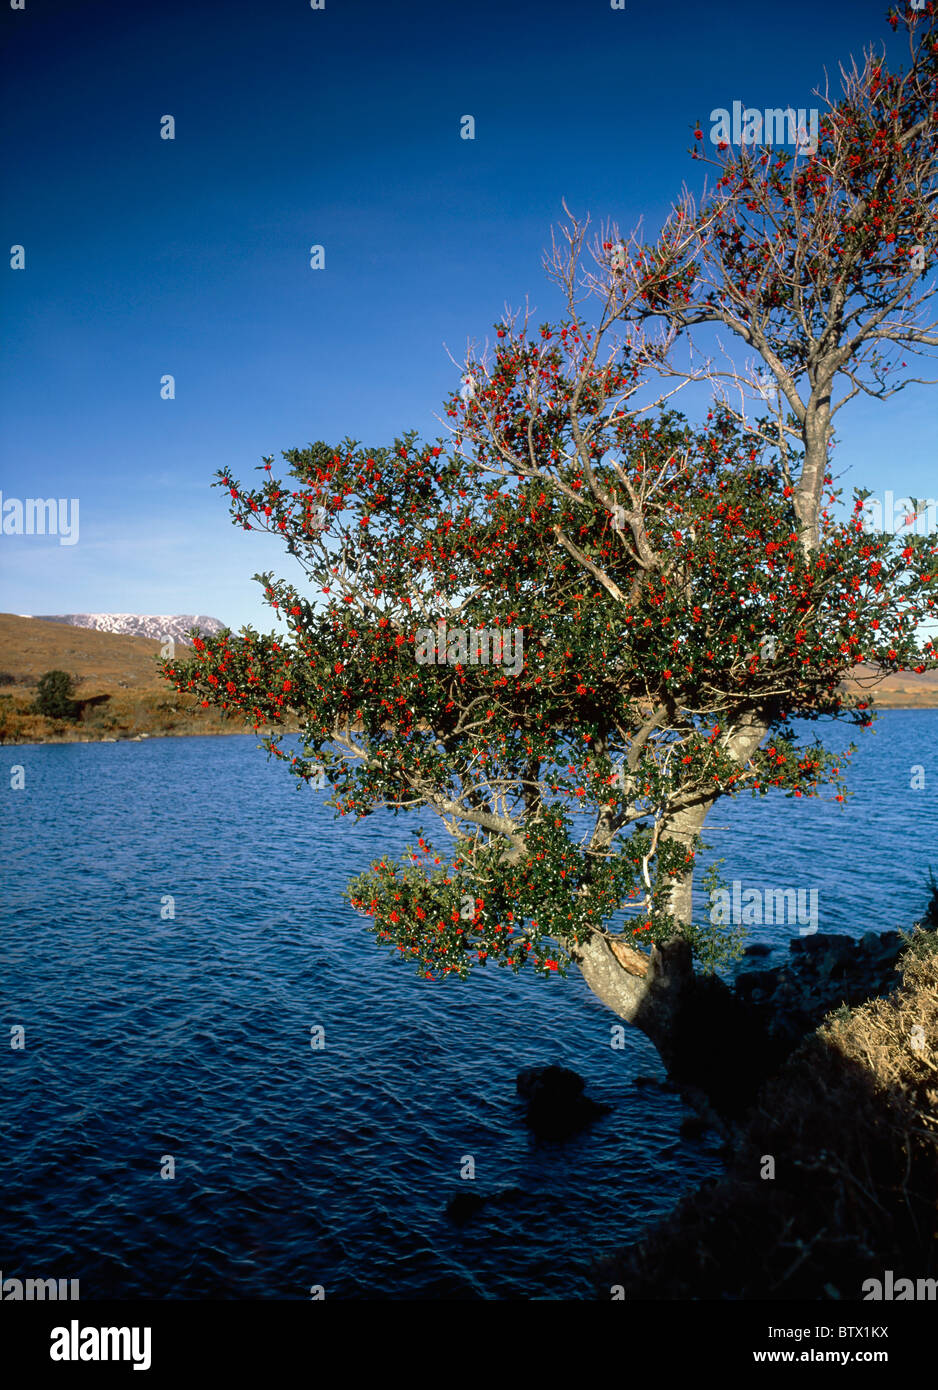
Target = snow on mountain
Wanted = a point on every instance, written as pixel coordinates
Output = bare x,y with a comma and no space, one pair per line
156,626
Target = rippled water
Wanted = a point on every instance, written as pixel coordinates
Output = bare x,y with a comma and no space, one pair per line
295,1167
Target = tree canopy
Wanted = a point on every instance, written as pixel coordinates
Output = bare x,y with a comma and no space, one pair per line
671,594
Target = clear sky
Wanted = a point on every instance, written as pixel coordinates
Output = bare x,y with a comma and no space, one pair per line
338,127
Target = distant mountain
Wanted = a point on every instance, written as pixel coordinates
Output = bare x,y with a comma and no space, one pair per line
155,626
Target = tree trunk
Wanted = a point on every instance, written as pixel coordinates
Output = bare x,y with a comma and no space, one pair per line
647,991
816,433
708,1041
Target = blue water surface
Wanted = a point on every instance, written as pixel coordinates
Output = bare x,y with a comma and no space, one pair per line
188,1037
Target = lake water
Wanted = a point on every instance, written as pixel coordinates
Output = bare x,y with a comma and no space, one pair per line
295,1167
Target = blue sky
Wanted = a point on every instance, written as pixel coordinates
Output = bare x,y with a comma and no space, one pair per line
337,127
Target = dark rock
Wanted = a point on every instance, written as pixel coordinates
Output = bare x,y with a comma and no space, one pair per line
833,963
693,1126
464,1206
824,971
557,1082
757,948
929,921
749,980
719,1045
819,943
557,1107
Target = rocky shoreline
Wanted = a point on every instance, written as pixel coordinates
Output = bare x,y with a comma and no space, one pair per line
825,971
830,1176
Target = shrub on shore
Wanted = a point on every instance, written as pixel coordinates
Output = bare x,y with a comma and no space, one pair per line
54,696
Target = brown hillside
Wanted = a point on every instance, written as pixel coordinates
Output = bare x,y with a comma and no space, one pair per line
117,678
907,691
101,660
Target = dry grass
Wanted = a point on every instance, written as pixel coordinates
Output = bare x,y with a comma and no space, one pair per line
878,1035
124,715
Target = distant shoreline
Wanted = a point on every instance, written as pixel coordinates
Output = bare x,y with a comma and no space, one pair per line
145,737
33,741
124,738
